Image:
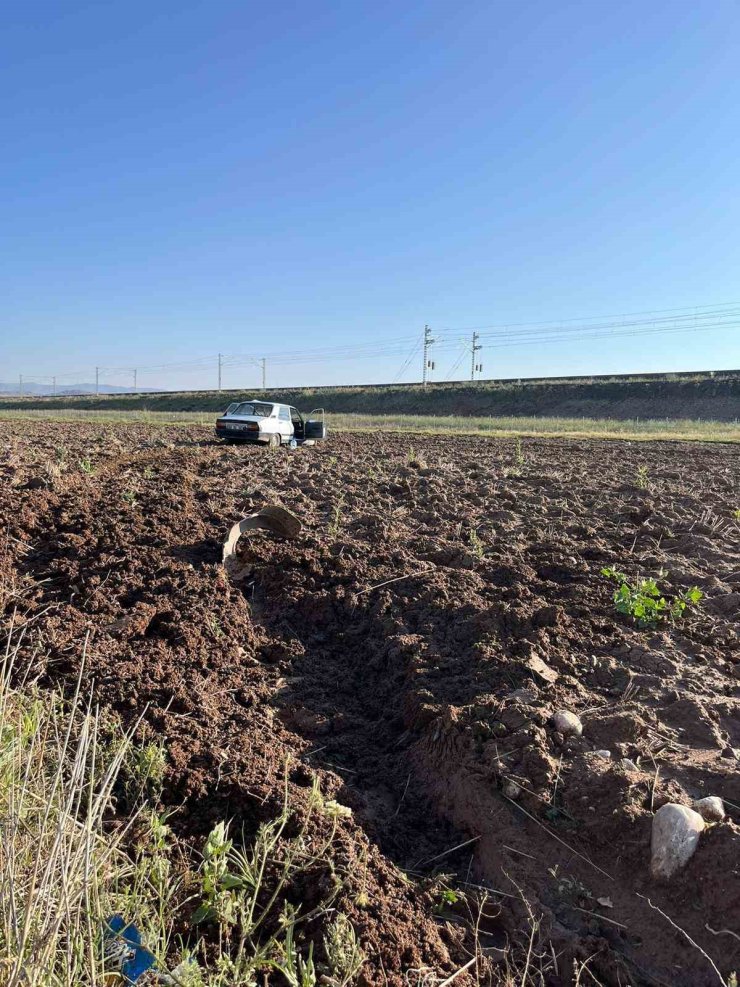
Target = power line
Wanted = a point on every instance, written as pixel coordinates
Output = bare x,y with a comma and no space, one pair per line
456,364
689,309
407,362
695,319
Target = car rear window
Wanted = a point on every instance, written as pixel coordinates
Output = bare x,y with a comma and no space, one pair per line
256,408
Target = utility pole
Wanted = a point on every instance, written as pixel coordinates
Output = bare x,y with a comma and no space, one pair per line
428,364
473,350
264,374
220,364
135,389
54,386
97,380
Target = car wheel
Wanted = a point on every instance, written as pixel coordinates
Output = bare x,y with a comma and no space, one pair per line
274,441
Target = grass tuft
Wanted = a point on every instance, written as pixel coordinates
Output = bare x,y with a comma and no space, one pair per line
68,863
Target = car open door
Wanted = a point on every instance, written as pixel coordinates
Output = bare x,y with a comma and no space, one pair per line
315,424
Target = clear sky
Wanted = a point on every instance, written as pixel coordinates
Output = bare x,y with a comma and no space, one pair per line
183,178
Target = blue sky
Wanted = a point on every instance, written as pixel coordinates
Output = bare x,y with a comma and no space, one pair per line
180,179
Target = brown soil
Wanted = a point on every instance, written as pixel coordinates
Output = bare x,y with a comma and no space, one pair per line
384,653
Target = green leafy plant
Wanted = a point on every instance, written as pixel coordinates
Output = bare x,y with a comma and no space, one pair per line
343,953
642,478
446,898
644,601
336,520
86,466
146,766
215,625
477,545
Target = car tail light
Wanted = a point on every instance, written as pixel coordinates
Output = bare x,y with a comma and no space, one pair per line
220,424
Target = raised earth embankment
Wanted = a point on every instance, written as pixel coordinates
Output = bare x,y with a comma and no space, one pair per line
706,395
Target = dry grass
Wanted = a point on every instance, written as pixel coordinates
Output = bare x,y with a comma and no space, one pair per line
65,869
683,430
57,865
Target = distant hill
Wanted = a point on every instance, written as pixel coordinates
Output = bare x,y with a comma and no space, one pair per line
46,390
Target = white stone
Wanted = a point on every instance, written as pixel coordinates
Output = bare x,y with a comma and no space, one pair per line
567,723
512,790
606,755
628,764
675,836
711,809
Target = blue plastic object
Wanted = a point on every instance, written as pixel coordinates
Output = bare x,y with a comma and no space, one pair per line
123,950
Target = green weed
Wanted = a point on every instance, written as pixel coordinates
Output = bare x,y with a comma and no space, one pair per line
644,601
477,545
445,899
343,953
244,893
215,625
335,524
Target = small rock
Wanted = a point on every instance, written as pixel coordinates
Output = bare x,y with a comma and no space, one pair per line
675,836
606,755
539,667
711,809
567,723
511,790
628,764
528,697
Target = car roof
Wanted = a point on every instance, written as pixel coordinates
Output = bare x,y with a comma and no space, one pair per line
272,404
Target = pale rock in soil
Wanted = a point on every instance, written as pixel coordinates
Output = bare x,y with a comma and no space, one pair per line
711,808
511,790
567,723
675,836
628,764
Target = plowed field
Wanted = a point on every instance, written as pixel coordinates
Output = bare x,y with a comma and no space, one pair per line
407,651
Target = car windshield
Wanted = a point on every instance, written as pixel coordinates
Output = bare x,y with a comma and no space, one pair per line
255,408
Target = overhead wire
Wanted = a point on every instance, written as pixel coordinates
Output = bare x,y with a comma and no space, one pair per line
685,319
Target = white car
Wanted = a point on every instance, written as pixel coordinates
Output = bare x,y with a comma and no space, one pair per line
268,422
